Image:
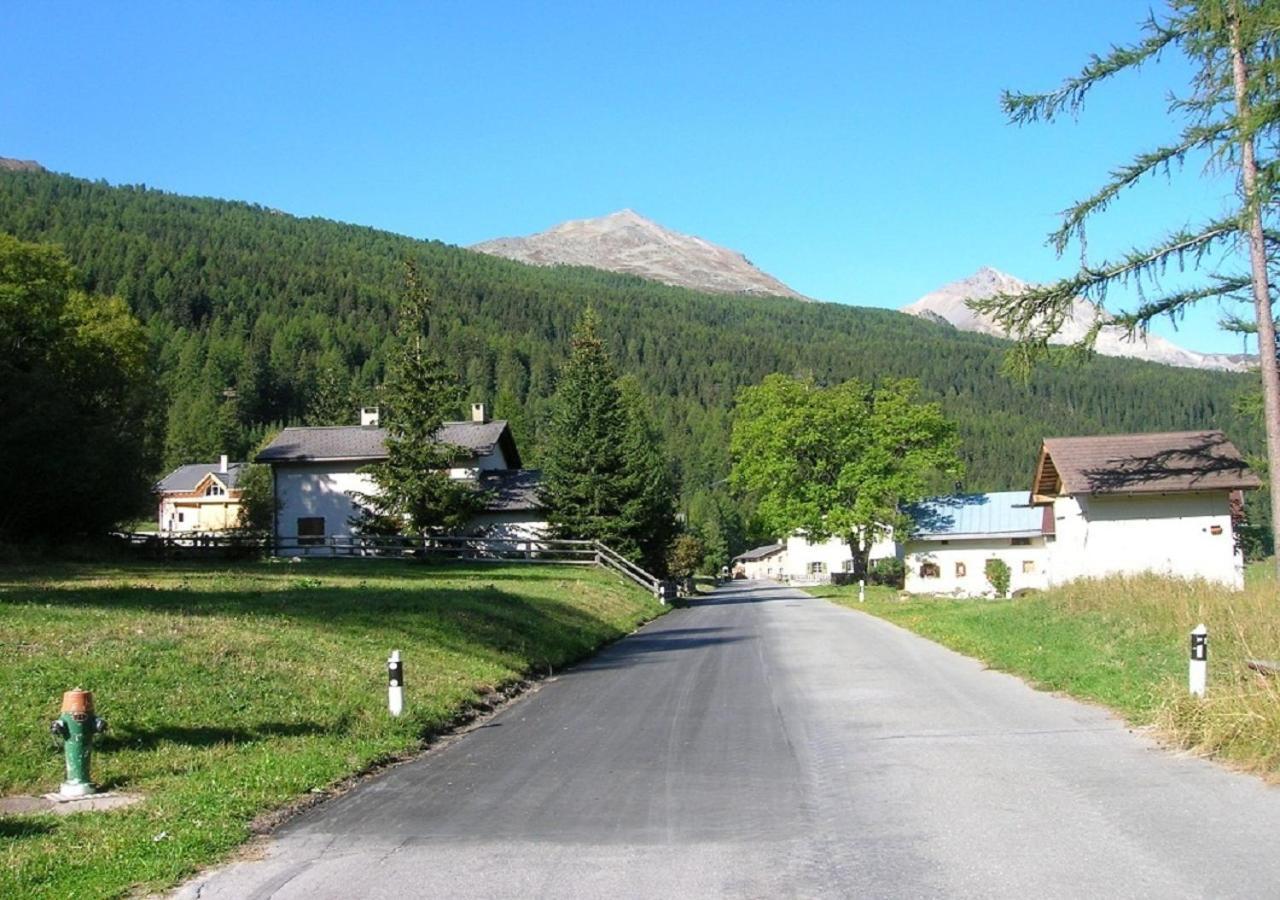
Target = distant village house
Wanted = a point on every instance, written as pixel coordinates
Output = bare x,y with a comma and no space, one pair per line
200,498
798,560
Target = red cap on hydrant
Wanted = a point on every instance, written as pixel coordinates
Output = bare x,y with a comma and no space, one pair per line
78,701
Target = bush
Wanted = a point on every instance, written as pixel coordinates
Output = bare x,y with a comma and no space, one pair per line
890,571
997,572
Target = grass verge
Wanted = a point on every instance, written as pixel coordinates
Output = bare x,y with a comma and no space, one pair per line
1123,642
231,691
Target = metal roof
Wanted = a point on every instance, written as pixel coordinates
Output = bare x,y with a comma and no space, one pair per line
364,442
185,479
1167,462
999,514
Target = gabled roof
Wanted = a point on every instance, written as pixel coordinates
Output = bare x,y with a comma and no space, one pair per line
511,490
1168,462
1004,514
186,479
759,552
368,444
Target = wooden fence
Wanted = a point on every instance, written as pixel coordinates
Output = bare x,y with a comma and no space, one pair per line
471,549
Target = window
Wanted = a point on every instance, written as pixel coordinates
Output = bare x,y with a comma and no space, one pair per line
310,530
930,570
1028,567
846,566
182,517
817,568
961,571
1021,542
214,490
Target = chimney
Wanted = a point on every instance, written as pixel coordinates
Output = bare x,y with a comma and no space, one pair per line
477,413
222,464
369,416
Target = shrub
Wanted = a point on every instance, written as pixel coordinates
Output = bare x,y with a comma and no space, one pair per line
889,571
997,572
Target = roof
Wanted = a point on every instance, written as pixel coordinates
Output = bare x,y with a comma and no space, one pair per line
511,490
368,443
1005,514
1169,462
185,479
759,553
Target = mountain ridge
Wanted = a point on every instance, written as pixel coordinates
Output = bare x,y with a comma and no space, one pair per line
949,304
631,244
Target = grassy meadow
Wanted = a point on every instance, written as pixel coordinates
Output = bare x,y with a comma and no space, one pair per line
1123,642
233,690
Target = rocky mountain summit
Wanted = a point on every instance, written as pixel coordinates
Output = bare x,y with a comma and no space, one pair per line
947,305
627,242
20,165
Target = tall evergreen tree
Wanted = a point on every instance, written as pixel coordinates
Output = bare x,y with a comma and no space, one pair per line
583,466
1230,120
604,474
414,487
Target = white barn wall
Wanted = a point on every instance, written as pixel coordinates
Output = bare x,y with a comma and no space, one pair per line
1169,534
974,555
773,566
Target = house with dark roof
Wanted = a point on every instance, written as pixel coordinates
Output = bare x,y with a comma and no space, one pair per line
200,497
953,537
318,474
1167,503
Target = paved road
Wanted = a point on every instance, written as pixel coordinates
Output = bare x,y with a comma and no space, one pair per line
766,744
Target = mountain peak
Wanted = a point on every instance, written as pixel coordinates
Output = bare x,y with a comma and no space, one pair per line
20,165
949,305
627,242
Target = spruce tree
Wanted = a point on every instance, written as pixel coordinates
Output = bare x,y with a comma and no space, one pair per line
584,472
647,520
414,487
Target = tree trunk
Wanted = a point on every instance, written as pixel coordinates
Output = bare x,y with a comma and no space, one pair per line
1261,286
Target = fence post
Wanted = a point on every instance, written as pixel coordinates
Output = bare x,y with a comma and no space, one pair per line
1198,673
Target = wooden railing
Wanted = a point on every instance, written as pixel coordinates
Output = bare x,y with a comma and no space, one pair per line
471,549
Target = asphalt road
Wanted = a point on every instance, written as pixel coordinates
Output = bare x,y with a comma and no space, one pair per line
766,744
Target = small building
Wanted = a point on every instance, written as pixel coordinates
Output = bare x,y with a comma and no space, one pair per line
318,474
200,498
762,562
1125,504
953,538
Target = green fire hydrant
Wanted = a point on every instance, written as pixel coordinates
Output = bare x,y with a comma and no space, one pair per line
77,726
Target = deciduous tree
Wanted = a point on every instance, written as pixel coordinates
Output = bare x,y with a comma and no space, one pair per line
838,461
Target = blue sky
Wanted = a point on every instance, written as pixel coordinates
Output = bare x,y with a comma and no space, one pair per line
856,151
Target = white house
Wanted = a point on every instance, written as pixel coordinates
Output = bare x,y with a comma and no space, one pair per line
761,562
316,473
816,561
1125,504
953,538
797,559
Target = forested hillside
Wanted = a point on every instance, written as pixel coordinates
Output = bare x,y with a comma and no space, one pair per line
257,317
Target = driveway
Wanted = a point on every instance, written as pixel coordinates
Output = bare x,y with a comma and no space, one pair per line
762,743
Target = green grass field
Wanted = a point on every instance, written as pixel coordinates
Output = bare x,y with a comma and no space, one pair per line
233,690
1123,643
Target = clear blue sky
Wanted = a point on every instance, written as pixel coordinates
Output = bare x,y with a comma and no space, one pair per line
856,151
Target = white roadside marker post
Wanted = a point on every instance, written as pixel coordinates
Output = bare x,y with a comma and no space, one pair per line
1199,660
395,683
862,590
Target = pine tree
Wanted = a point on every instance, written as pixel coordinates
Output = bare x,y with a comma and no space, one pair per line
647,520
584,471
414,486
1230,115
